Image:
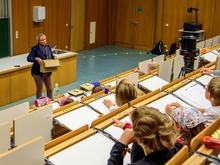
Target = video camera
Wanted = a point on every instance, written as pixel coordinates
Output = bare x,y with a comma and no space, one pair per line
189,51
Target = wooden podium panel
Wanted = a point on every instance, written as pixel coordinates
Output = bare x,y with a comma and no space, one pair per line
30,153
32,125
9,114
5,140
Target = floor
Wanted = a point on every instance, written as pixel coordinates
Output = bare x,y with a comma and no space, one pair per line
98,64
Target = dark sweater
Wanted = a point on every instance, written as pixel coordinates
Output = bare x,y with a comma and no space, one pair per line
157,158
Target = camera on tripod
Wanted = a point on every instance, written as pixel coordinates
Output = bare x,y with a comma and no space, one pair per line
189,52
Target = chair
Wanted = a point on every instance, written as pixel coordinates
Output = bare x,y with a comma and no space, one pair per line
200,44
216,40
159,59
179,157
143,65
208,43
165,70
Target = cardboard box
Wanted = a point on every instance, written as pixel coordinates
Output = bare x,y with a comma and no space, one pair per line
50,65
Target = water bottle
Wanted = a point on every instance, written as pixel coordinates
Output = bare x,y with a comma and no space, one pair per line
56,92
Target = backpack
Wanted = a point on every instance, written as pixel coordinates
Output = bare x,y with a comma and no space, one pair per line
158,48
173,48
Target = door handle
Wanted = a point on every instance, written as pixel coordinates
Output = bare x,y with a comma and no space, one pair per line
132,21
135,23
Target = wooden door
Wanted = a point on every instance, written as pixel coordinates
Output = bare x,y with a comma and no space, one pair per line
145,12
77,32
125,23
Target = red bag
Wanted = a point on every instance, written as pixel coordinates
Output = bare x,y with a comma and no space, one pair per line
211,142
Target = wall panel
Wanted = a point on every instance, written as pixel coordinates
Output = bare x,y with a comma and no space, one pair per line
96,10
50,23
173,20
216,20
63,24
34,28
159,21
111,22
205,14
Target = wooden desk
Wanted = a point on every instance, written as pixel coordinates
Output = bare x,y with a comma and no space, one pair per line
17,82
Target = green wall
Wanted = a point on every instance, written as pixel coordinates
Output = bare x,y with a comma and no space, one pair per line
4,37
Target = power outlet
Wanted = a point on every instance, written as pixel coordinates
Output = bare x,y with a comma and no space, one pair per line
16,34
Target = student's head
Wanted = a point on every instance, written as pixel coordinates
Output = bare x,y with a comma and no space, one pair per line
153,130
41,39
213,91
126,92
66,100
97,88
151,66
189,122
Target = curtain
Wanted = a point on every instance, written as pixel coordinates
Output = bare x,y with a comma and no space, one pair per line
4,8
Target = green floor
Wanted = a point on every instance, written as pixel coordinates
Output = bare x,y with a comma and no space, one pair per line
98,64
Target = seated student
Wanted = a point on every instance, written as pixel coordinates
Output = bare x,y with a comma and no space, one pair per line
150,67
125,92
210,71
66,100
153,131
95,89
212,94
189,122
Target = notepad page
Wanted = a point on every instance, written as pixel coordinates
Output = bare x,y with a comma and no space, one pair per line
99,105
162,102
196,94
210,56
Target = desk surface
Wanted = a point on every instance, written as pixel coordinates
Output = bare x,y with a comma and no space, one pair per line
92,150
77,118
153,83
9,63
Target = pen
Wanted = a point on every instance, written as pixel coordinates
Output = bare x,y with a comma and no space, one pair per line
97,111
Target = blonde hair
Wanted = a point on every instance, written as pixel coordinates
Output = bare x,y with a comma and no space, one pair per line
214,89
126,91
153,65
39,35
153,130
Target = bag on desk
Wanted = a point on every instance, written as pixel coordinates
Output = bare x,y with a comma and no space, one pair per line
49,65
41,101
